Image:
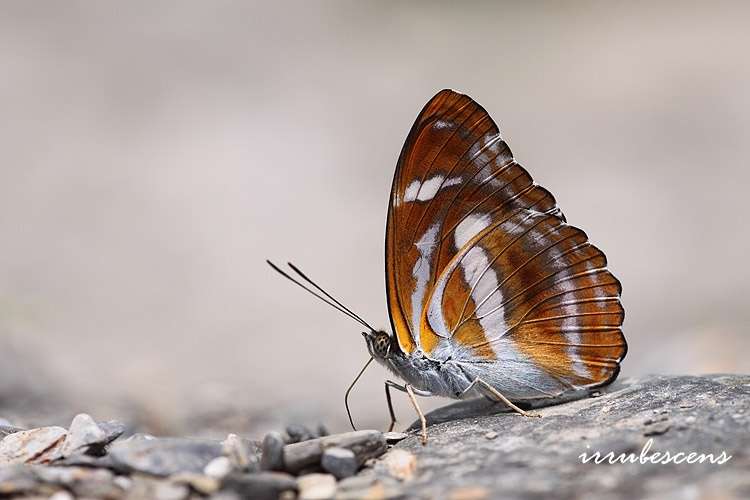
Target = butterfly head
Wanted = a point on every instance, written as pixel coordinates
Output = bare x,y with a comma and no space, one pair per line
378,343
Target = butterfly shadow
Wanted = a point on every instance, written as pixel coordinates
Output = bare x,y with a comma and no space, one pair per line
481,406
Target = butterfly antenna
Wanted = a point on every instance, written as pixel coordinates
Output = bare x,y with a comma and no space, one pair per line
346,396
306,278
335,304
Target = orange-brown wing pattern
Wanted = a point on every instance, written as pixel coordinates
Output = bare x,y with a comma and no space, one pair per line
481,265
453,165
530,290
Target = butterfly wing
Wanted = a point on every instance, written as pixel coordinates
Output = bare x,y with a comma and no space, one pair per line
480,264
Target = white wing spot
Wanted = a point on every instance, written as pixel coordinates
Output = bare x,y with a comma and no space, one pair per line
470,227
428,189
421,273
411,191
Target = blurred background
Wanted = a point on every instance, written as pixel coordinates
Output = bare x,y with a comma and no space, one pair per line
153,154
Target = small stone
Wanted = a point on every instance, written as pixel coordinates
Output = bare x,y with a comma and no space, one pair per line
272,457
202,484
690,419
218,467
657,428
394,437
491,435
82,481
35,445
123,482
113,429
399,464
165,490
316,486
163,456
368,486
16,480
83,432
61,495
307,454
298,433
260,485
7,428
236,451
340,462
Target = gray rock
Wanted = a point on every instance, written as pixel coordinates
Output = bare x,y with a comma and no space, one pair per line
297,433
272,457
394,437
306,455
142,487
242,453
218,467
163,456
340,462
7,428
83,481
113,429
540,458
35,445
203,484
16,480
166,490
103,462
260,485
82,434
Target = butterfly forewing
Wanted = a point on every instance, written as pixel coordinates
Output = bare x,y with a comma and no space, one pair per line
480,264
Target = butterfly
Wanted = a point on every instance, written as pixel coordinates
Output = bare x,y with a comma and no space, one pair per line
490,291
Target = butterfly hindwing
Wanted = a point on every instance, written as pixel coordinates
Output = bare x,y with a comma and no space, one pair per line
480,262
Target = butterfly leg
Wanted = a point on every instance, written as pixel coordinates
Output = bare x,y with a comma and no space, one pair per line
496,395
388,384
412,393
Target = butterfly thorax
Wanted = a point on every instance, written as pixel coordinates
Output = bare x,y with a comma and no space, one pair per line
439,377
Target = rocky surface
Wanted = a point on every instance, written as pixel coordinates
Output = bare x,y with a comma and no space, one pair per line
475,450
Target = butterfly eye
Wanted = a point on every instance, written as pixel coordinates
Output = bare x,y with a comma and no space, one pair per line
382,344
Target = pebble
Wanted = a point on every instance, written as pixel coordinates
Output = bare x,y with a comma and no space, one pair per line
35,445
165,490
202,484
113,429
272,455
340,462
491,435
163,456
16,480
394,437
297,433
233,448
368,486
83,432
399,464
61,495
7,428
123,482
302,456
82,481
316,486
260,485
218,467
